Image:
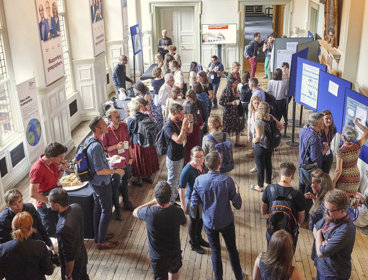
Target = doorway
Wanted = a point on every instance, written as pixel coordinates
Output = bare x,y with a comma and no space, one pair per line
180,24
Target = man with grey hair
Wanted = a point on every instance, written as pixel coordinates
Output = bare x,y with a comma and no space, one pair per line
119,76
163,44
165,91
311,153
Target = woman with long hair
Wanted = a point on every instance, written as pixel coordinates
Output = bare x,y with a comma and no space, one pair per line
22,257
145,162
207,86
277,264
328,133
229,99
321,184
192,73
254,103
167,59
155,106
235,71
262,154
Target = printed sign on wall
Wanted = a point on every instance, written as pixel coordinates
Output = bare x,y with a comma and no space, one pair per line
31,118
49,29
98,28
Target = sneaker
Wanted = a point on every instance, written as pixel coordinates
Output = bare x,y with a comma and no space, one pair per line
199,250
107,245
204,243
129,206
253,170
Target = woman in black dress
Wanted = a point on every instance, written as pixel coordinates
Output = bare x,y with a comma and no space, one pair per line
229,99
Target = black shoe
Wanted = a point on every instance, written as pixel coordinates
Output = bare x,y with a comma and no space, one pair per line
137,183
129,206
148,180
204,243
117,215
199,250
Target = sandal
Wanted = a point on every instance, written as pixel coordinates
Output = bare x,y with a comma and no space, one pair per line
256,188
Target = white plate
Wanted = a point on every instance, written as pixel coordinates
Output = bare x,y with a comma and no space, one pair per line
75,187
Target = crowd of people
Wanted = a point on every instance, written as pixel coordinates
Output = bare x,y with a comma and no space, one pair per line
196,138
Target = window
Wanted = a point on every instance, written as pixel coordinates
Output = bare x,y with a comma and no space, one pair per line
69,86
6,91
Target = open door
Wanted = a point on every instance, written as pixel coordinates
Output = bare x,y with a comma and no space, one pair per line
278,20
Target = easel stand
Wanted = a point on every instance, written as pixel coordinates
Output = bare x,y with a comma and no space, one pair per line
292,143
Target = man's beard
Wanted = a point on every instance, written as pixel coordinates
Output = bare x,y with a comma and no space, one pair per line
328,219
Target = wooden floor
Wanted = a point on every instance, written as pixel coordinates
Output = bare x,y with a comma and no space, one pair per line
130,259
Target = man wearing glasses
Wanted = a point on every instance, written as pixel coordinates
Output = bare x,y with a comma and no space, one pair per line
334,238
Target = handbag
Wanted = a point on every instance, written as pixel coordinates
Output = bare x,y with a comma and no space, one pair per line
240,109
306,168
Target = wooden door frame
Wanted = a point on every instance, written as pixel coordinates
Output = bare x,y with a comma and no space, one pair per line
241,22
197,12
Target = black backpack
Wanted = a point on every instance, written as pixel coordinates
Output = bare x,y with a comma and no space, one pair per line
161,142
272,135
147,132
280,213
271,100
225,151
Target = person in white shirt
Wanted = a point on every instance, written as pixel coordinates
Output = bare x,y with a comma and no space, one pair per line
178,75
165,91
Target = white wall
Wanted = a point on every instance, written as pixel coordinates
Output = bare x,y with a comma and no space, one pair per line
363,57
299,16
24,39
219,11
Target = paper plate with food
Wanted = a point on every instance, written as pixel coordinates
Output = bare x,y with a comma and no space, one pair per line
71,182
116,159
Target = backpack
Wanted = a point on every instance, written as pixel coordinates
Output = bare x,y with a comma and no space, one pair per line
81,162
246,51
245,93
161,142
271,100
147,132
280,213
272,135
225,151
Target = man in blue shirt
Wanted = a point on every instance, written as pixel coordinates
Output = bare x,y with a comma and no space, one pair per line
334,238
214,191
101,183
256,90
119,76
312,153
216,70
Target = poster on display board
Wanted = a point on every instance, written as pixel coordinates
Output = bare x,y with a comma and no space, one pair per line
307,79
293,69
356,106
52,49
98,27
135,33
219,34
332,96
31,117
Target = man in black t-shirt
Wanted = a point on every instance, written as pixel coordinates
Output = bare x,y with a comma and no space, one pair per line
283,189
163,229
176,129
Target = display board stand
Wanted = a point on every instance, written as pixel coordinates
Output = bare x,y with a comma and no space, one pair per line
292,143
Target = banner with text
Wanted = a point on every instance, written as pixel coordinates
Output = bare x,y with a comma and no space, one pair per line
98,28
27,94
52,50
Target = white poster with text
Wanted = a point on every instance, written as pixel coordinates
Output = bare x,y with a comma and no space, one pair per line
27,94
52,49
98,28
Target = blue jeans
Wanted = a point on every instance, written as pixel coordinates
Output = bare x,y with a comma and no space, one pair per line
215,89
101,211
228,233
49,219
120,187
174,169
322,277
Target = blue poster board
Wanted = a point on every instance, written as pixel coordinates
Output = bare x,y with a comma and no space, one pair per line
293,67
136,39
307,80
356,106
331,96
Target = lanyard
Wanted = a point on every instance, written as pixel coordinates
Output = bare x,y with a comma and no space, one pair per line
177,125
120,136
56,175
327,229
201,171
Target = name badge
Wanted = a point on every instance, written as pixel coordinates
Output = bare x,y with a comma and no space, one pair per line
120,151
212,76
